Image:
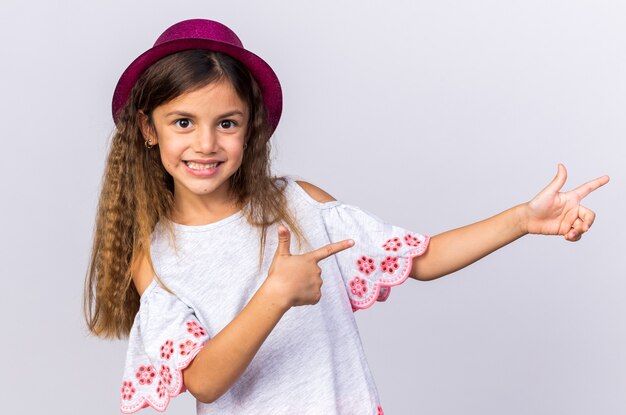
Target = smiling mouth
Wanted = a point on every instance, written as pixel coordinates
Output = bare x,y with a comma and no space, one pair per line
202,166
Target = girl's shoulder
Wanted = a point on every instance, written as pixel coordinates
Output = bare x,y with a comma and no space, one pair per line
142,273
319,195
310,192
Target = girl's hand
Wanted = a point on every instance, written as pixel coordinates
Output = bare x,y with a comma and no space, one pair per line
296,279
554,213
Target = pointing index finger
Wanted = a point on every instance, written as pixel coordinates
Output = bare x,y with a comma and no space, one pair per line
331,249
586,188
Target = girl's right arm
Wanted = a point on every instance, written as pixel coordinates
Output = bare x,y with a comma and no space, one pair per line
292,280
225,357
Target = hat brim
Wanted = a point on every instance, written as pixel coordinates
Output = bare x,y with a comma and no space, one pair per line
260,70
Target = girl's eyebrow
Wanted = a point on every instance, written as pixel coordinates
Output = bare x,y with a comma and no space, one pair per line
181,113
189,115
231,113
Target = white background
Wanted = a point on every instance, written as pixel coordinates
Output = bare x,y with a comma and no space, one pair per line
430,114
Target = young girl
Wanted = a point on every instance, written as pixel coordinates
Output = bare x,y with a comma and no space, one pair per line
193,256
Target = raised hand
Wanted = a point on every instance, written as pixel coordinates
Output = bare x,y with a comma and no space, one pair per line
296,279
552,212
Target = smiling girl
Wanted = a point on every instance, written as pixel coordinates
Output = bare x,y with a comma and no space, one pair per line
188,207
186,129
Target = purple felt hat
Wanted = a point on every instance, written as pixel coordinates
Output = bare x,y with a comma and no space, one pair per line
202,34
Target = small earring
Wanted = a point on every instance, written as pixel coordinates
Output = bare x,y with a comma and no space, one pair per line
245,145
148,144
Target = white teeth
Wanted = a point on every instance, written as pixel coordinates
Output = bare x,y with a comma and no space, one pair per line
198,166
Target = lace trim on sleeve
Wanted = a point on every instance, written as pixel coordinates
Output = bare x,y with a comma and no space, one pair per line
376,272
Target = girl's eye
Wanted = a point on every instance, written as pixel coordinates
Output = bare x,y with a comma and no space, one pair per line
183,123
226,124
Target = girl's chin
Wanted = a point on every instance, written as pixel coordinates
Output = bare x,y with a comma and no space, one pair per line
196,189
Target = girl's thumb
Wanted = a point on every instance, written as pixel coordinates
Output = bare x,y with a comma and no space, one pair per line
283,241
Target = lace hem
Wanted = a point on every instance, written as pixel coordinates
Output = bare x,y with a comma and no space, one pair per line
377,277
166,384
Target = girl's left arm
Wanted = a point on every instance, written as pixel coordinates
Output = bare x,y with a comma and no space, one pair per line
550,212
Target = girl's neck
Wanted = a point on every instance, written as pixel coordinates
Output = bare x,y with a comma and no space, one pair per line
198,211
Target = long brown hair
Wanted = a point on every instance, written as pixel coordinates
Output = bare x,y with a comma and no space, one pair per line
137,192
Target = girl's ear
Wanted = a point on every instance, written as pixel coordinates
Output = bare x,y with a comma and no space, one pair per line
146,128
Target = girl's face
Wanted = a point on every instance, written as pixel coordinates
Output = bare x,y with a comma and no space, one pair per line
196,130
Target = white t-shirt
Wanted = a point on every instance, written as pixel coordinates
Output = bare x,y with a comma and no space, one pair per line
313,362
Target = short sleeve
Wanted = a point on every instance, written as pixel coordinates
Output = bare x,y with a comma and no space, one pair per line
164,339
381,257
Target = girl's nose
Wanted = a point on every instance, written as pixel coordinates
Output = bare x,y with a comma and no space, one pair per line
206,141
